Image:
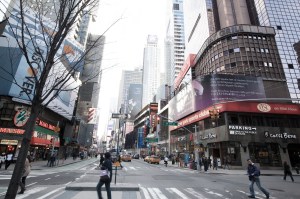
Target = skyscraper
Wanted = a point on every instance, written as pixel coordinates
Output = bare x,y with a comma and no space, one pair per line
150,69
175,43
227,37
284,17
128,77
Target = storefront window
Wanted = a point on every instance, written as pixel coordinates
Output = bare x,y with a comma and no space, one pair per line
267,154
231,151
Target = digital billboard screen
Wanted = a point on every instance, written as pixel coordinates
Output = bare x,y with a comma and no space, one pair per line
211,89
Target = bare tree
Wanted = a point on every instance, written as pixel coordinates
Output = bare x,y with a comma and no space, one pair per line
42,33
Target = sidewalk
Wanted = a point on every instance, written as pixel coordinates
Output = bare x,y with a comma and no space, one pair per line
42,164
234,171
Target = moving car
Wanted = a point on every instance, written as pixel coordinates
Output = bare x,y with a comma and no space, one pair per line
154,159
126,158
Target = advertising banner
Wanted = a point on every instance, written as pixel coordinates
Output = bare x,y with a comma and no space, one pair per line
22,88
212,89
134,100
141,138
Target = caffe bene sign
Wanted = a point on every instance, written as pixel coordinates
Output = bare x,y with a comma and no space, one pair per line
280,135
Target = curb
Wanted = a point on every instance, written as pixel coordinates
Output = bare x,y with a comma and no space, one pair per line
92,187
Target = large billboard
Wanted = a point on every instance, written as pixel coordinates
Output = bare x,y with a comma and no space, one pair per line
211,89
134,100
22,78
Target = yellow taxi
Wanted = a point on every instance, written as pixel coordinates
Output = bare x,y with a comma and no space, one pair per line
126,158
154,159
146,159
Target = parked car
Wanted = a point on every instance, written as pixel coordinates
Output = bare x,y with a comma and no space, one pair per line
154,159
146,159
126,158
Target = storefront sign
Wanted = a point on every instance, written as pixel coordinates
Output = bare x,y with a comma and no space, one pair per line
21,117
13,131
45,125
209,136
9,142
280,135
182,138
241,130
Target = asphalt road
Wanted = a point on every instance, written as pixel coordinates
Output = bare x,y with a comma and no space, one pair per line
49,182
155,182
160,182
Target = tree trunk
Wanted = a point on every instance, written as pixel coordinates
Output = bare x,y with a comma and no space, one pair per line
17,173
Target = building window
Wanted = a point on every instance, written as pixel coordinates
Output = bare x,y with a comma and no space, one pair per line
291,66
175,6
279,28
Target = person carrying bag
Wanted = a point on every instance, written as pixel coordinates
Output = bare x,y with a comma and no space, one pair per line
105,176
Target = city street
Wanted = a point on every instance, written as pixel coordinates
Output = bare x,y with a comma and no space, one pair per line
154,181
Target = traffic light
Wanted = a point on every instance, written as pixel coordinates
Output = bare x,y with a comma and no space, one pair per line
214,113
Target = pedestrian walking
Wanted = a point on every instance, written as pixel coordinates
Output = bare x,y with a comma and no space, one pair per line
52,160
215,164
101,160
107,164
26,171
254,173
200,163
205,163
2,159
8,160
226,162
209,162
287,171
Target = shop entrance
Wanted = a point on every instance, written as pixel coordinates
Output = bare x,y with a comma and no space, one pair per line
294,153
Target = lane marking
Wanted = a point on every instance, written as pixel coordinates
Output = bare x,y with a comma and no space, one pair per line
31,184
152,193
31,191
193,192
145,192
174,190
132,168
159,193
47,178
56,176
213,193
50,193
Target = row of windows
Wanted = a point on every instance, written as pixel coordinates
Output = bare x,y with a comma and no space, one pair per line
237,50
259,120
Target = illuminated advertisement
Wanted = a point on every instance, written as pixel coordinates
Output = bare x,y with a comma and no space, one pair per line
212,89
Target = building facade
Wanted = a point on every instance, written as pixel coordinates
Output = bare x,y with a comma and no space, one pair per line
260,122
151,62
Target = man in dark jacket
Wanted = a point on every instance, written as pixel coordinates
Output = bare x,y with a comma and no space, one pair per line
107,164
254,173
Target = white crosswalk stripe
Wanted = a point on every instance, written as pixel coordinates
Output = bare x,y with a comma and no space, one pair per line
179,193
193,192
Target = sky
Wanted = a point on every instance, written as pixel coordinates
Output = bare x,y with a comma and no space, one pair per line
125,25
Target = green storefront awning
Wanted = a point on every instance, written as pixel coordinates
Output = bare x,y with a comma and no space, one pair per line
46,131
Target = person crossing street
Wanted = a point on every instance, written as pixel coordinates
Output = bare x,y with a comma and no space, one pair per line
253,174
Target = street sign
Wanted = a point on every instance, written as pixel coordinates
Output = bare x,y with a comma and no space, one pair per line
170,123
151,140
116,115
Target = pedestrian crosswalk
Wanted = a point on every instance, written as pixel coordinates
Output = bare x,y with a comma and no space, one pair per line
193,193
